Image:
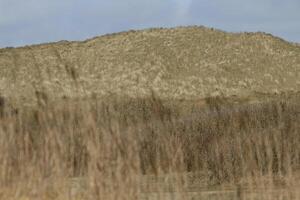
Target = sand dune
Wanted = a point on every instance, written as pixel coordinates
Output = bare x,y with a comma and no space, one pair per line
177,63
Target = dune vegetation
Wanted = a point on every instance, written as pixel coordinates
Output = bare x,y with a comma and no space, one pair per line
177,63
183,113
145,149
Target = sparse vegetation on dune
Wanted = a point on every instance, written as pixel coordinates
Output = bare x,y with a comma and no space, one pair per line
88,149
183,62
151,114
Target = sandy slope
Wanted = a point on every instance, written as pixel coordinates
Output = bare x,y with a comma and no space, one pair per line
181,63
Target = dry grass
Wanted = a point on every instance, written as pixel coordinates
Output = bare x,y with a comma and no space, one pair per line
128,149
64,135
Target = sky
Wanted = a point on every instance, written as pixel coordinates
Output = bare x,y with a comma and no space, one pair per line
25,22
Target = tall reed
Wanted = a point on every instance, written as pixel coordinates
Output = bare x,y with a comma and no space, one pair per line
114,146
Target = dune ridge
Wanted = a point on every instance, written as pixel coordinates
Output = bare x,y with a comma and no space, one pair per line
176,63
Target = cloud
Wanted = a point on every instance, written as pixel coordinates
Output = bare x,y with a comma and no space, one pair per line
18,11
281,18
44,20
182,9
254,9
33,21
